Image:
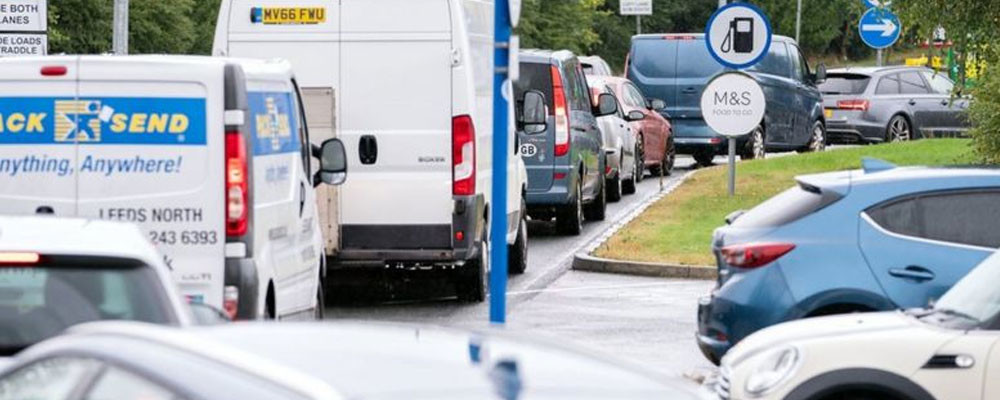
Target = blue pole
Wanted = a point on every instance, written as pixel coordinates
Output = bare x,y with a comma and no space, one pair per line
498,209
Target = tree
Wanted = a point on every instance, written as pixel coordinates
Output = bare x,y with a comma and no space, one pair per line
155,26
560,24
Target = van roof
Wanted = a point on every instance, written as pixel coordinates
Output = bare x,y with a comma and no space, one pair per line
541,55
276,66
658,36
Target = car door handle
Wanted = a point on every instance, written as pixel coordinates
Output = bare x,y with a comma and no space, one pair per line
944,102
913,272
689,90
913,102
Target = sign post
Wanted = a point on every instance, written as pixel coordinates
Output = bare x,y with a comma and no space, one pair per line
879,28
638,8
119,37
738,36
23,28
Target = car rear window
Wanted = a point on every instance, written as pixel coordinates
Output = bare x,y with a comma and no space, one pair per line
694,61
787,207
38,301
535,76
845,84
655,58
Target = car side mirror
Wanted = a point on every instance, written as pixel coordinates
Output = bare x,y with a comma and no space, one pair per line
534,112
332,163
606,105
635,116
820,75
207,315
656,104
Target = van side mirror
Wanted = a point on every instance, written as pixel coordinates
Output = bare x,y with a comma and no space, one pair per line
635,116
207,315
656,104
534,113
820,75
332,163
606,105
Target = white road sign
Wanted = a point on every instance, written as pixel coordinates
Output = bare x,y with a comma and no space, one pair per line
23,16
19,44
733,104
636,7
738,35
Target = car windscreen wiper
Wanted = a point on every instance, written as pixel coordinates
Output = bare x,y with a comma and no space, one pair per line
955,313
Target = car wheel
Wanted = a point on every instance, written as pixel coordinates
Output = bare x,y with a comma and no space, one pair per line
614,186
640,160
670,159
320,301
817,142
756,147
704,158
569,220
470,285
519,251
628,185
597,209
899,130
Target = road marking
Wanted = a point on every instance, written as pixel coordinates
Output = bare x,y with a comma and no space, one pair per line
605,287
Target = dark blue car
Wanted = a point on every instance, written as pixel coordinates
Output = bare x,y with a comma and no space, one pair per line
880,238
677,67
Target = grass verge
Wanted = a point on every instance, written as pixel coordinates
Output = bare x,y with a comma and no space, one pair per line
678,228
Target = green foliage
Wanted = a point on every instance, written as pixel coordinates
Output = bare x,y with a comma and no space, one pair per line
985,113
560,24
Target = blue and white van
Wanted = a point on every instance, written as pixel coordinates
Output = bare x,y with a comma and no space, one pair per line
210,156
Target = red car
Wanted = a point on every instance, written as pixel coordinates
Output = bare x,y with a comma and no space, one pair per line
655,135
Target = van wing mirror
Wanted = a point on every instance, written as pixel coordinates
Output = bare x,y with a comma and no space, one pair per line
606,105
206,315
820,75
332,163
657,104
534,113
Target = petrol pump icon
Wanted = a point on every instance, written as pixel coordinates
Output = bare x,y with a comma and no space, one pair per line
738,35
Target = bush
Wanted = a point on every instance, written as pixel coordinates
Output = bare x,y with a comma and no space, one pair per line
984,112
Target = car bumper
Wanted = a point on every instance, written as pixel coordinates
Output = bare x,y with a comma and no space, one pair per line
614,163
850,131
423,245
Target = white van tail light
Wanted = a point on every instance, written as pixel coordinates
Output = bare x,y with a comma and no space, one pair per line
236,184
54,70
17,257
561,115
231,301
463,155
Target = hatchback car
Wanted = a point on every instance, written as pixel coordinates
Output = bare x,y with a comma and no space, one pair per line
876,239
677,67
891,104
565,160
595,66
319,361
654,133
55,273
620,145
946,351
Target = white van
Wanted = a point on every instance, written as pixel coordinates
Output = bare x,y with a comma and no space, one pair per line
209,156
413,82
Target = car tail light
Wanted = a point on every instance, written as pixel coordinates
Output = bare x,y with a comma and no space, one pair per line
679,37
561,114
463,156
231,301
755,255
237,184
18,257
54,70
856,105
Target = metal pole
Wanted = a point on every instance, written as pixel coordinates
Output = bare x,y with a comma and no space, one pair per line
638,24
878,57
798,22
498,207
732,167
120,37
722,3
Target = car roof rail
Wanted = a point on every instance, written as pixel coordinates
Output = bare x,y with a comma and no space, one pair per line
873,165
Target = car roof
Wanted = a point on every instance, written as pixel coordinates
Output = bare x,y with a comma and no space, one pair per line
373,360
545,56
875,70
657,36
76,236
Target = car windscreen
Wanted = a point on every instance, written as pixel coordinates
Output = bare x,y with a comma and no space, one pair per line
40,300
535,76
845,84
975,296
789,206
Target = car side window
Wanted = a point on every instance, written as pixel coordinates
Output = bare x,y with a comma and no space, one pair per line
49,379
912,83
306,150
636,98
116,384
578,96
966,217
583,82
775,62
939,83
888,85
800,70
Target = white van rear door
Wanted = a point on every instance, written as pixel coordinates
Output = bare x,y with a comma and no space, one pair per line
396,63
156,158
37,135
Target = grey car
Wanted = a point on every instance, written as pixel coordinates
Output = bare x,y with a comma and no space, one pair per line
872,105
317,361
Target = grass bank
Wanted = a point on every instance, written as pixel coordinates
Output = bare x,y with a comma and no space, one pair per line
678,228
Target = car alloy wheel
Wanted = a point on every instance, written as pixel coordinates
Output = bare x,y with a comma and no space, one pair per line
818,141
759,149
640,160
899,129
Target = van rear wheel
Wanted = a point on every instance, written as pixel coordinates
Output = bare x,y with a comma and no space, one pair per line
519,251
597,209
470,279
569,220
320,301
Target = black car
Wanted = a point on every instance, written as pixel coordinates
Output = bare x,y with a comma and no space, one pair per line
891,104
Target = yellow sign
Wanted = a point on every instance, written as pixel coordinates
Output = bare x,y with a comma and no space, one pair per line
288,15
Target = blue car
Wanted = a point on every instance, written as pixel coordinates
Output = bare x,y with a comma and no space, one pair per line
875,239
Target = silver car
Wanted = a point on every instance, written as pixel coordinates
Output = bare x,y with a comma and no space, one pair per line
619,144
888,104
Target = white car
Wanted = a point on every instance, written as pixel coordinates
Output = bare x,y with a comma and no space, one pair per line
412,83
56,273
948,351
619,145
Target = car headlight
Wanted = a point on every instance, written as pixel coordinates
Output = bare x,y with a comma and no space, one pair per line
771,369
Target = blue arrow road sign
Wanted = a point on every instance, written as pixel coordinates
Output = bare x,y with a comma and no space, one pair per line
879,28
876,3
